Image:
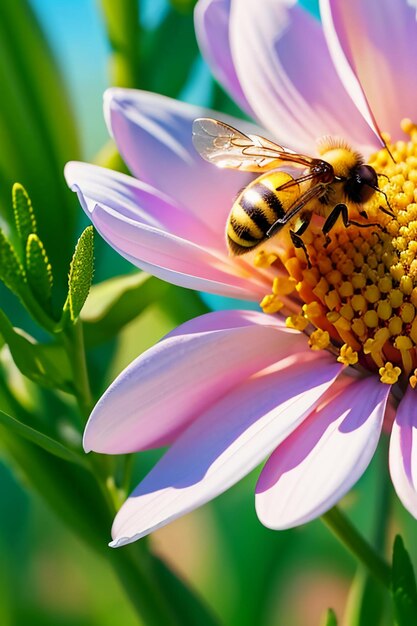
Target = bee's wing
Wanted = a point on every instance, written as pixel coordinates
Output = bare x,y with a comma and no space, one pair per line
314,192
225,146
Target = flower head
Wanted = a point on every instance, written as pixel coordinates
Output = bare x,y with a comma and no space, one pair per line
229,389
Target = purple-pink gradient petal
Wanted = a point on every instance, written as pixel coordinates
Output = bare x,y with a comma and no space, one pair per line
165,388
324,457
154,136
225,443
376,41
154,233
286,72
136,200
211,20
403,451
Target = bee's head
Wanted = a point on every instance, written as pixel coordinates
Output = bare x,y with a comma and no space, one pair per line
361,183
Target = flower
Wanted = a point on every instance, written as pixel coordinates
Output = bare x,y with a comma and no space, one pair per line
228,389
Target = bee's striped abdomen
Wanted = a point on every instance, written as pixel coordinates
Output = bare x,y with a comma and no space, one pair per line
253,213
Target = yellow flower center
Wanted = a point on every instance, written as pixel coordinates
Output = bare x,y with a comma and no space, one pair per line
360,292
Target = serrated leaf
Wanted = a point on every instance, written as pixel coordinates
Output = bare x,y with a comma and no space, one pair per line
46,364
81,274
329,619
40,439
38,270
24,216
404,589
115,302
11,271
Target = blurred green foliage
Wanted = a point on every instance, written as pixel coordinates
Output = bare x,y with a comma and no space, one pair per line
249,575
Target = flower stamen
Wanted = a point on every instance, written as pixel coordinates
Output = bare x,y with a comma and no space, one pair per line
360,292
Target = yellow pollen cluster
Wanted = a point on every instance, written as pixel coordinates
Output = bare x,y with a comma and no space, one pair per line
263,259
271,304
298,322
319,339
389,374
413,379
347,355
360,292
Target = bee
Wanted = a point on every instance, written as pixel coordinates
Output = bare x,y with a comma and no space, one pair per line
276,198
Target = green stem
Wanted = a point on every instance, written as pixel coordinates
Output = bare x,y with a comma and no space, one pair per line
383,504
35,309
74,343
144,593
123,29
127,467
350,537
145,579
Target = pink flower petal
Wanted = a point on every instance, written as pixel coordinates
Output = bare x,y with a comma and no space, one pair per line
374,47
225,443
321,460
136,200
287,75
403,451
154,233
211,18
153,135
171,383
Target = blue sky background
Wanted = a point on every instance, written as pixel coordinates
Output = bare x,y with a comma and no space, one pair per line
76,33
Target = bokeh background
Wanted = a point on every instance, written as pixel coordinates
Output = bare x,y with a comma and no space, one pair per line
249,575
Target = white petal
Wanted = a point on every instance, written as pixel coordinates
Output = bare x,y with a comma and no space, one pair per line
324,457
225,443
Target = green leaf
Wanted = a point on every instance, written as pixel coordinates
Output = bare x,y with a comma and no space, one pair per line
184,6
330,618
366,602
37,131
38,270
45,364
404,590
11,271
81,274
70,490
163,71
24,216
75,495
114,303
190,609
40,439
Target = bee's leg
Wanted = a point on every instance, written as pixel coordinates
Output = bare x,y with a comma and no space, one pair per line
341,209
332,219
296,236
299,243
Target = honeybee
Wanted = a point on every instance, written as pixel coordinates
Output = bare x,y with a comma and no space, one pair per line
275,198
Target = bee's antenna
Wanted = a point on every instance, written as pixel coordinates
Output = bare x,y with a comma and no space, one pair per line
375,188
